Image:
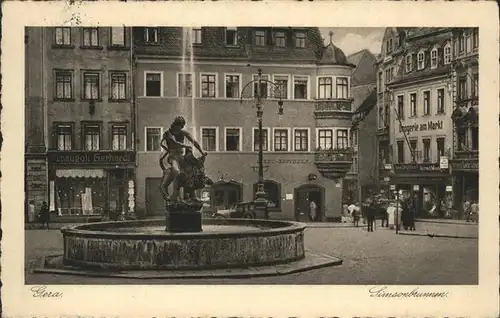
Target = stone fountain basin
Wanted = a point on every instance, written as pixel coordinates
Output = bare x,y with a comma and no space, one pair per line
143,244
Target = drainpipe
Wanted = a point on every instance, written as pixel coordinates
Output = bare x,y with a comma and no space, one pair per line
133,120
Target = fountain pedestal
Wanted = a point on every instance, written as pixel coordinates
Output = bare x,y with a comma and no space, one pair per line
182,217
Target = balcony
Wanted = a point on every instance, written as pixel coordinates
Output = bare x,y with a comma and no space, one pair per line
334,163
333,108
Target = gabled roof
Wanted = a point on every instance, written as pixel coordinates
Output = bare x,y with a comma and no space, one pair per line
355,58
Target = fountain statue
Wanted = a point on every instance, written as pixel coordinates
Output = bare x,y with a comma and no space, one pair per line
187,174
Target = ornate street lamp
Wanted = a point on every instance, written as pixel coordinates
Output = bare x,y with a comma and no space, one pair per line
260,195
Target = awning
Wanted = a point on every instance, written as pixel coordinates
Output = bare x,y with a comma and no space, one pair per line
80,173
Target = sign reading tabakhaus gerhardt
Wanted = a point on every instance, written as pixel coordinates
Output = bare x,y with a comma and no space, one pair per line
91,157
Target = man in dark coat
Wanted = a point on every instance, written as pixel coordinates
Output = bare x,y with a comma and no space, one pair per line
44,215
371,210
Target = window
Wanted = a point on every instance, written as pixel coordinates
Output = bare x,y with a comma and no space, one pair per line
301,140
185,85
91,86
413,105
300,39
118,36
92,136
401,107
280,139
208,85
462,88
119,137
461,42
427,150
209,139
231,36
408,63
325,139
342,88
232,86
263,86
462,138
380,82
64,85
64,134
282,85
63,36
151,35
413,149
381,117
475,85
280,39
475,38
389,46
196,35
447,54
90,37
468,42
386,115
440,146
440,101
300,84
427,103
354,137
388,74
401,151
153,139
265,140
474,133
421,60
325,87
273,194
118,86
342,139
260,38
153,85
434,58
233,139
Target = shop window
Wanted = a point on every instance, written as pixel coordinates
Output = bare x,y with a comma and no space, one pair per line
325,87
273,194
300,84
118,36
64,85
301,140
233,139
226,194
118,86
153,86
231,36
208,85
91,137
90,37
209,139
263,93
325,139
281,140
232,86
185,85
63,36
91,85
119,137
64,133
300,39
264,137
342,87
342,139
153,138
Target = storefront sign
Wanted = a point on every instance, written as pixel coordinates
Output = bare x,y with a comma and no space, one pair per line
91,157
443,162
393,187
286,161
417,167
388,166
449,189
430,125
387,179
289,196
416,187
465,165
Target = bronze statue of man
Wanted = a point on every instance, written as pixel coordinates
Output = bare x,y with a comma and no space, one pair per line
173,144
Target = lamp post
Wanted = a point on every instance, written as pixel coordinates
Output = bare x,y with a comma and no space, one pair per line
260,195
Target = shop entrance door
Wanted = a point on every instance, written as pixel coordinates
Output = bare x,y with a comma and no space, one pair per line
303,195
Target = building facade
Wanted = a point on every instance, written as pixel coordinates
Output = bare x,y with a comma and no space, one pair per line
80,120
421,107
202,74
465,77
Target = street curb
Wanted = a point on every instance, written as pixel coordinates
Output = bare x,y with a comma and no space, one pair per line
444,222
438,235
318,261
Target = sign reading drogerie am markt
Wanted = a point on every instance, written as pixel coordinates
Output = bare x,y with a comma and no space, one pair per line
91,157
430,125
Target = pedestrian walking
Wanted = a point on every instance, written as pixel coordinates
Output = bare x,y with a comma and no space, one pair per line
370,213
413,212
312,210
467,209
474,211
354,210
44,215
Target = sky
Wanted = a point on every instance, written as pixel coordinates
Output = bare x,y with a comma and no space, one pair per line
352,40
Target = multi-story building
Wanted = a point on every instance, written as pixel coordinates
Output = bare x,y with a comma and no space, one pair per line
465,77
421,105
80,120
388,62
202,73
363,174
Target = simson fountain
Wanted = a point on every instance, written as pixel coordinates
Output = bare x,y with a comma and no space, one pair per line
183,240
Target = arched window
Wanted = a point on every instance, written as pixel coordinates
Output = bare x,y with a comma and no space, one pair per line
409,63
434,58
447,54
273,194
421,60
